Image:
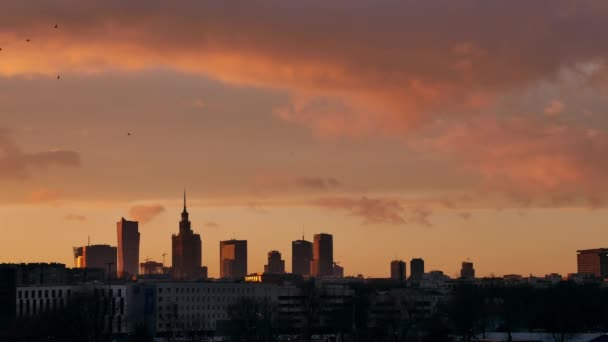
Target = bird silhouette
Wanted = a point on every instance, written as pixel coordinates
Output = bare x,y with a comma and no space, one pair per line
58,77
128,133
27,40
56,26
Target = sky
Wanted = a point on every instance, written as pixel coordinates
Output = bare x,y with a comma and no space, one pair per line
452,131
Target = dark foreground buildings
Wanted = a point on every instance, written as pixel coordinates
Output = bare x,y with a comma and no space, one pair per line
398,271
187,259
128,248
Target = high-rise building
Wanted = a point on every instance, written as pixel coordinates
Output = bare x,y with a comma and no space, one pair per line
467,271
128,248
301,256
233,259
398,271
593,262
416,269
338,271
275,263
187,257
323,256
95,256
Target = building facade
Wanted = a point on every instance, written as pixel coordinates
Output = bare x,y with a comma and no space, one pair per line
96,256
467,271
323,256
416,269
398,271
275,263
233,259
301,257
593,262
128,248
186,251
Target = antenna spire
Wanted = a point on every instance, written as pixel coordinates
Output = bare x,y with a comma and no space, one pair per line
184,199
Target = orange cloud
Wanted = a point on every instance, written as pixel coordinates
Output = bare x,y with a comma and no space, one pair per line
75,217
145,213
45,195
530,157
352,67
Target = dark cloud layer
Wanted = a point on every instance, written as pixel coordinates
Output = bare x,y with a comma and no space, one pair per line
16,164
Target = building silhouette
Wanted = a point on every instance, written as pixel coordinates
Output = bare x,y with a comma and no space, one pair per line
187,257
233,259
323,256
96,256
593,262
467,271
398,271
128,248
416,269
151,267
275,263
301,257
338,270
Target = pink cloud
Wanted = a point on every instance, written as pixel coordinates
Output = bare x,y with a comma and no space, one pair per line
378,210
145,213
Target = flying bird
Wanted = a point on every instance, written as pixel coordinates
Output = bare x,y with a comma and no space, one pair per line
128,133
27,40
56,26
58,77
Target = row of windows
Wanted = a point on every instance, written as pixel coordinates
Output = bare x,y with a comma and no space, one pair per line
166,317
191,307
222,299
42,293
34,306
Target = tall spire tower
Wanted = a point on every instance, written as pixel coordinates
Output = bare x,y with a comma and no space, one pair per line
187,247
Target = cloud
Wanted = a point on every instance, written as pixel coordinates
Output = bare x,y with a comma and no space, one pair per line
45,195
75,217
529,157
465,215
145,213
317,182
15,164
378,210
554,108
211,224
404,66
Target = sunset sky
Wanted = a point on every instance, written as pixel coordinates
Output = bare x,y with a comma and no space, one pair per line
438,129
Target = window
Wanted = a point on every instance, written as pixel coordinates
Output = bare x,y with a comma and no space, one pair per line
53,293
19,294
119,292
27,294
46,293
60,293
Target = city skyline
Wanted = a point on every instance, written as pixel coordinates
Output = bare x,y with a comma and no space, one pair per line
449,135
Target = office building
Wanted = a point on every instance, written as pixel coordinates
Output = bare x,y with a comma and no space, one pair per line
593,262
96,256
128,248
233,259
275,263
301,257
338,271
416,269
187,257
323,255
467,271
398,271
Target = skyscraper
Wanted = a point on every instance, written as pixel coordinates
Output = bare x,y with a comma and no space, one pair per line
233,259
593,262
128,248
301,256
398,271
186,250
467,271
275,263
323,255
416,269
